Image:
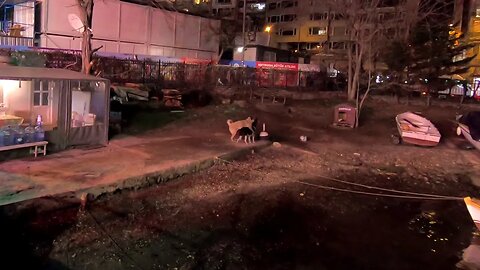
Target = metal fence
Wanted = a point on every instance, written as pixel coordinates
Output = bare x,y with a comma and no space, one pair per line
201,75
180,75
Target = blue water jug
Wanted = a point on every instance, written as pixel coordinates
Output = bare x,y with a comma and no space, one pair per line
18,135
39,134
29,134
2,137
8,137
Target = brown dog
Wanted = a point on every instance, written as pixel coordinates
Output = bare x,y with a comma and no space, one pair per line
233,127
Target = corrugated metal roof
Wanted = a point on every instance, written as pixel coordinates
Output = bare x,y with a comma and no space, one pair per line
26,73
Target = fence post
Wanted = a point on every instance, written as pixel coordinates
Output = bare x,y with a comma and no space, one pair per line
144,70
299,76
159,72
274,77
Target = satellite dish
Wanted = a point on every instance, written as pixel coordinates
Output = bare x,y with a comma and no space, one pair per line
75,22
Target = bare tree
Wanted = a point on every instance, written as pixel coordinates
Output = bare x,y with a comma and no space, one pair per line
85,8
371,24
227,32
364,26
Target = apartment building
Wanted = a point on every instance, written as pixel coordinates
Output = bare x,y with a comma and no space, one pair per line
467,22
305,25
315,27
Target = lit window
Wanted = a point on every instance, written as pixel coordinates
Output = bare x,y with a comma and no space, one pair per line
478,13
40,93
317,31
259,6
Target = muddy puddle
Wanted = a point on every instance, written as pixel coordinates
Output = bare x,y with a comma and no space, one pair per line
288,226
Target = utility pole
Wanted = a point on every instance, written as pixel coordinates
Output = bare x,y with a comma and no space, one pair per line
243,30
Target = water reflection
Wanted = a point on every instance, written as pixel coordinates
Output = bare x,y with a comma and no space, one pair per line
471,255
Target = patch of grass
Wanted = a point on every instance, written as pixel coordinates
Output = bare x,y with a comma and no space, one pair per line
139,119
232,111
366,114
392,169
148,120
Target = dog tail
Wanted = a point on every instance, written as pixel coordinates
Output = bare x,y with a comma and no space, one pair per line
229,122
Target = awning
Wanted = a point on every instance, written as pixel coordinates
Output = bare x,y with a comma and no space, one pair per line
8,72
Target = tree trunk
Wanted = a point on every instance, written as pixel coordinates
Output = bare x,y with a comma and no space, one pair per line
350,73
85,8
360,105
356,74
217,59
356,77
463,93
86,52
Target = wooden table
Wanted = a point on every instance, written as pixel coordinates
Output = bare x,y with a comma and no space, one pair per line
36,147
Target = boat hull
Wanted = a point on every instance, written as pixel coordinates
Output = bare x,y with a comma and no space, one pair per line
417,130
466,133
473,207
420,142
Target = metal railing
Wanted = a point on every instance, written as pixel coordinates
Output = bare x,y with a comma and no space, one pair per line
16,41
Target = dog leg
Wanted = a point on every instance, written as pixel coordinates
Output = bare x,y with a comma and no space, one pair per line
239,138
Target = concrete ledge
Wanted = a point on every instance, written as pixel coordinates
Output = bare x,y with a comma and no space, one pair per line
150,179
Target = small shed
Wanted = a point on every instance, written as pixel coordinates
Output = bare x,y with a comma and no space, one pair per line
73,107
345,115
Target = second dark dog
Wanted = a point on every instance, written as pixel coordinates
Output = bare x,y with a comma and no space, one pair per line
247,134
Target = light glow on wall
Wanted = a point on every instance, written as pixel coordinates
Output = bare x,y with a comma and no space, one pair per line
8,86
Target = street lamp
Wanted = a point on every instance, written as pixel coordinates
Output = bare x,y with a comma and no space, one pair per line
268,29
243,30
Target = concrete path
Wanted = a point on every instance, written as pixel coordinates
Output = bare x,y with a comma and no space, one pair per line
124,163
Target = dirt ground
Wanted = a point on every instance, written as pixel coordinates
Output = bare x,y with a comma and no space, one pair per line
258,213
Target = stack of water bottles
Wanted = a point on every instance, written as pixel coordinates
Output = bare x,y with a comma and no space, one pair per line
19,134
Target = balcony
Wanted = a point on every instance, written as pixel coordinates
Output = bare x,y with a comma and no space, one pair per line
16,41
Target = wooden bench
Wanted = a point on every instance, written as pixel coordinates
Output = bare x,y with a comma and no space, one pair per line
36,147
